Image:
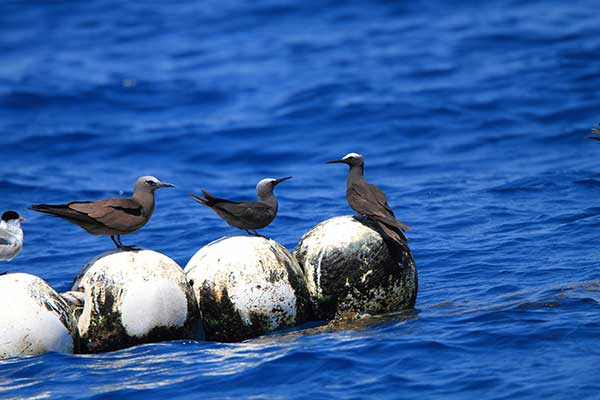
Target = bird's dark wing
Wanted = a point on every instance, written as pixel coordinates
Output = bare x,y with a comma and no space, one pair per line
122,214
369,200
244,210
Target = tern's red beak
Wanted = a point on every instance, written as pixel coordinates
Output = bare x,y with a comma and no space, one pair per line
21,219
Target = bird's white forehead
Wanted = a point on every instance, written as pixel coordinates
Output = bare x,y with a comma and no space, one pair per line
265,181
148,178
349,155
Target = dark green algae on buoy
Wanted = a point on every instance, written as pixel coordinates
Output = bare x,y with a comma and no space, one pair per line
350,271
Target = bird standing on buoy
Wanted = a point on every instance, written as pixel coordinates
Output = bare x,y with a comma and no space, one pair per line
11,235
368,200
246,215
113,216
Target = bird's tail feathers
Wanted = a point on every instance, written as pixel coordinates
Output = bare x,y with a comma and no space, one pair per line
393,232
212,200
209,197
61,210
391,221
45,208
396,242
200,199
402,226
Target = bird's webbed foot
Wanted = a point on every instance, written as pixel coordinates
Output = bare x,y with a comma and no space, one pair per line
130,248
121,246
254,233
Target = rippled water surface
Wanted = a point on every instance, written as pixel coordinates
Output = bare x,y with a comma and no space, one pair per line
471,117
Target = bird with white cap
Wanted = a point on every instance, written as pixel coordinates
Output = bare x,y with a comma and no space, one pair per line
370,201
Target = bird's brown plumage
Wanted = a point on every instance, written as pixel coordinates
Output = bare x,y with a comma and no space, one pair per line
113,216
369,200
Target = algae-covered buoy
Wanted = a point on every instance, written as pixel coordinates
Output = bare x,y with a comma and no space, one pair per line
34,319
247,286
133,297
349,269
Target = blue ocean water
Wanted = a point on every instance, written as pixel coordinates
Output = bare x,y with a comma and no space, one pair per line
471,117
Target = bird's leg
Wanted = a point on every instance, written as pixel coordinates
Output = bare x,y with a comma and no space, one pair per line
248,232
115,242
126,248
259,235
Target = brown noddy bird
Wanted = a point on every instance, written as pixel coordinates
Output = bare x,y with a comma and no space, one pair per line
246,215
368,200
114,216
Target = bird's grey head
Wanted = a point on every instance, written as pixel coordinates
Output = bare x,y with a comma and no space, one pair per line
266,186
149,184
12,218
352,159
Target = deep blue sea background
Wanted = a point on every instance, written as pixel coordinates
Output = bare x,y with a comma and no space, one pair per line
472,117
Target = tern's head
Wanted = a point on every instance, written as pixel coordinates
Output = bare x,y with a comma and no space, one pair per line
149,184
267,185
352,159
12,218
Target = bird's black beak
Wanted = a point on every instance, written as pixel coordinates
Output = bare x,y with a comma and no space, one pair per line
278,181
165,184
336,162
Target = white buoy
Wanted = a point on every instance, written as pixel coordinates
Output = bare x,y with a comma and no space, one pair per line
132,297
34,319
247,286
350,271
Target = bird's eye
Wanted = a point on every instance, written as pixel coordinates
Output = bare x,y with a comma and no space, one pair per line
151,183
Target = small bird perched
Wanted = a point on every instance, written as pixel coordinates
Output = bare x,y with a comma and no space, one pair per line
246,215
113,216
368,200
11,235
